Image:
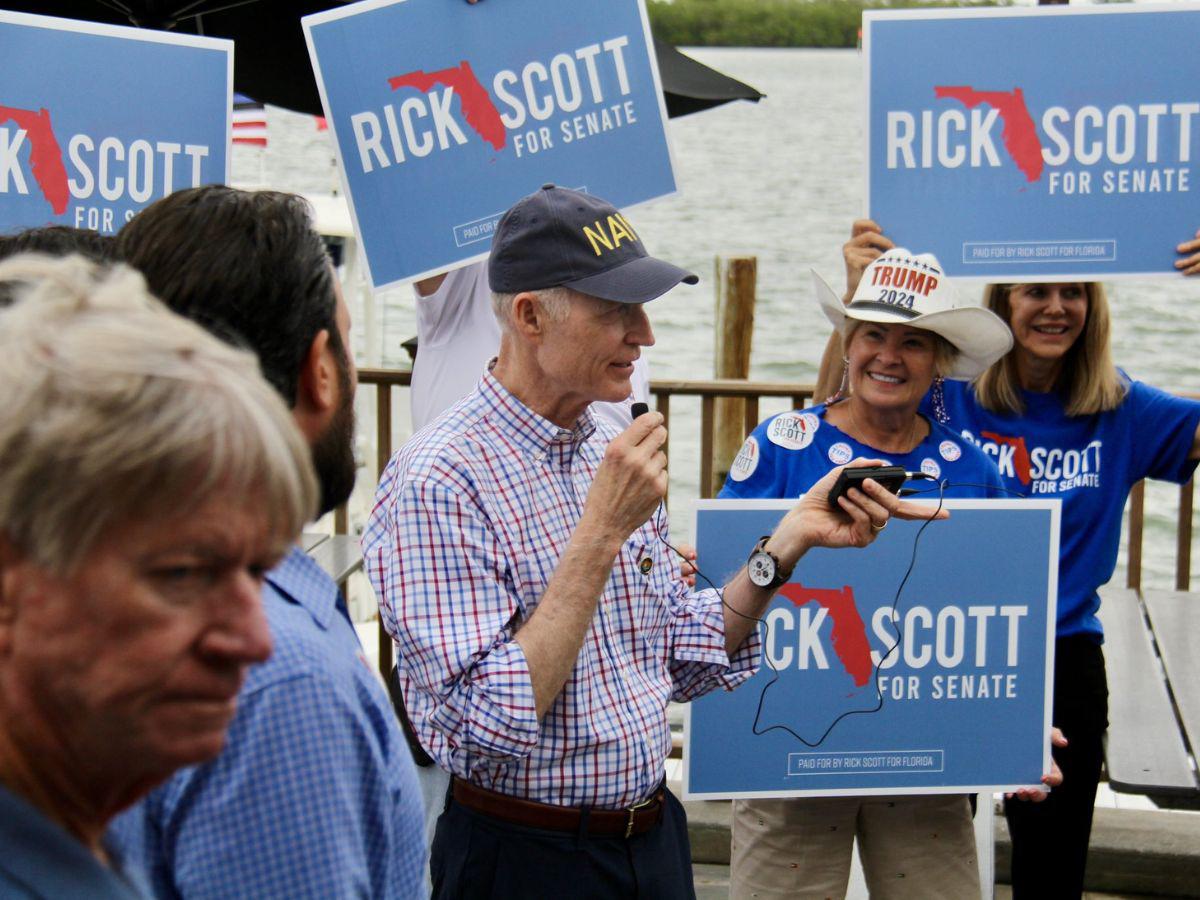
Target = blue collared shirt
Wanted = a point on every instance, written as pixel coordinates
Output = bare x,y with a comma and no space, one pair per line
315,793
38,858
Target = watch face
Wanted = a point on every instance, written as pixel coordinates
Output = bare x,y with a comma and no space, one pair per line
761,569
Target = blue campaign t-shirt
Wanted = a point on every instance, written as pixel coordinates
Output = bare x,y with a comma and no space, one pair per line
788,453
1088,462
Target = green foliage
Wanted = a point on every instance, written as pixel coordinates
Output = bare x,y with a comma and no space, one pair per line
773,23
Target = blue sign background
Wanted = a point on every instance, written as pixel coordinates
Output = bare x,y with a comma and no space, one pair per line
431,213
991,222
111,82
990,553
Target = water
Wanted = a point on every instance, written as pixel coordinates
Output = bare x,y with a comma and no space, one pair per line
780,180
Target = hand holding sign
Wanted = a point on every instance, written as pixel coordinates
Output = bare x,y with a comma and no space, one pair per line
867,243
1051,779
1189,265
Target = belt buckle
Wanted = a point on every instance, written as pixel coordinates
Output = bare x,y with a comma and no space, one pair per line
633,809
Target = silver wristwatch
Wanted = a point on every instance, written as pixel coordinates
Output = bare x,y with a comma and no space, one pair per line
763,567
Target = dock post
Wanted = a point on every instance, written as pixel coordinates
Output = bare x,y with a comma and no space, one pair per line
736,283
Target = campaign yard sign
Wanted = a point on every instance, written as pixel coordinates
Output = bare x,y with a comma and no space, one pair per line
946,689
1036,144
444,114
98,121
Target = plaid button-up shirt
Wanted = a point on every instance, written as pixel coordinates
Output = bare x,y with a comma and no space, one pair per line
471,518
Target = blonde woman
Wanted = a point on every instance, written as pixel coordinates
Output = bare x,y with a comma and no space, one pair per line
1064,422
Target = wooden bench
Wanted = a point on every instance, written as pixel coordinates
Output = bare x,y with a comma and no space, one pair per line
1152,651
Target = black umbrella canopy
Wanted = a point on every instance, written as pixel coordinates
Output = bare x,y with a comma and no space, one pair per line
271,61
690,86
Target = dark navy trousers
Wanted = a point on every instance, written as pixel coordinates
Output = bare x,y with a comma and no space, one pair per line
476,856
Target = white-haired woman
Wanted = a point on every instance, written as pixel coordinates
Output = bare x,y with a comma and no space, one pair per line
1064,422
898,341
149,477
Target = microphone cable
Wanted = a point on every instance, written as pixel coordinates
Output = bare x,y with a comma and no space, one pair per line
640,408
775,673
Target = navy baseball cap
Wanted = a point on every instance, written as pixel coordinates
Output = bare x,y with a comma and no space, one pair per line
557,237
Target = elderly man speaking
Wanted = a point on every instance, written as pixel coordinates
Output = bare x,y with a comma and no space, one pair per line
519,549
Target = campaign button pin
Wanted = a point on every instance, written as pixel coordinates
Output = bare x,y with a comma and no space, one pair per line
840,453
746,461
793,431
950,451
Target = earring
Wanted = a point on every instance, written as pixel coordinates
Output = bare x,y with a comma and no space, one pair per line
841,391
939,401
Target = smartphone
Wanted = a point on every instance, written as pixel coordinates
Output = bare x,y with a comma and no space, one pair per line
891,477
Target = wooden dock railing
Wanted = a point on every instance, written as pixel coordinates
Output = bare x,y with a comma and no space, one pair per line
385,381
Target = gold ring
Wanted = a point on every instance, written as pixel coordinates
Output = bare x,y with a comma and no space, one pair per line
878,528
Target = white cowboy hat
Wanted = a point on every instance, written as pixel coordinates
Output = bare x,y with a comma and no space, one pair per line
900,287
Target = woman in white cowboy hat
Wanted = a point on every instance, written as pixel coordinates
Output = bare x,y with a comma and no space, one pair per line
1065,423
902,330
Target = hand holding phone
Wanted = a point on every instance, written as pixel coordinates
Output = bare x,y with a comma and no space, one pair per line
892,478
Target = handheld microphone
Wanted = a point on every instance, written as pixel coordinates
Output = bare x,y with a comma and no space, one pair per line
639,409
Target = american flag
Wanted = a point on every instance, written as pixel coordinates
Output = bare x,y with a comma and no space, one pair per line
249,121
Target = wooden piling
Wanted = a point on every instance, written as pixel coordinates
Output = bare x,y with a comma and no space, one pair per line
1137,516
736,279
